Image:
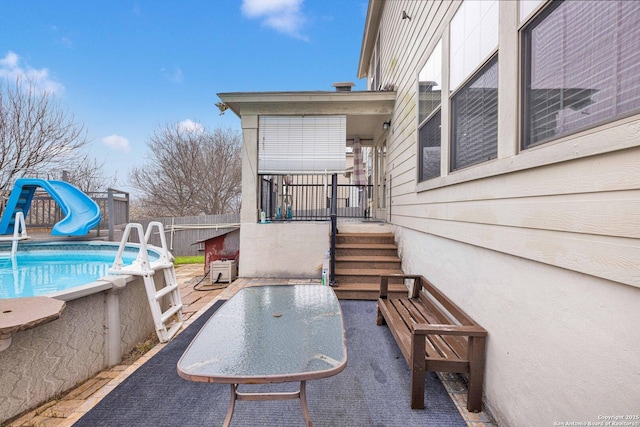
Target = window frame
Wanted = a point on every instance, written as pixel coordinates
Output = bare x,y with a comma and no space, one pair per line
438,50
525,33
514,159
486,65
424,124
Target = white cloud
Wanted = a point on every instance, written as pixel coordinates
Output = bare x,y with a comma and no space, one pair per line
12,70
117,142
174,76
189,125
10,61
284,16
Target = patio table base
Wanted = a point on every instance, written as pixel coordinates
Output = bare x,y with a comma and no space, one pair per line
300,394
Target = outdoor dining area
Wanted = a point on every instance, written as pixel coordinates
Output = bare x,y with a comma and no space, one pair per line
222,369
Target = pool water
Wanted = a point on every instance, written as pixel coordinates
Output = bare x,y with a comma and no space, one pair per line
40,272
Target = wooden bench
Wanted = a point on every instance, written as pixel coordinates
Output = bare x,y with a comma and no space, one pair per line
433,337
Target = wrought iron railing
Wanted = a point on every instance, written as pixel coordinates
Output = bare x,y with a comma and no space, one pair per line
308,197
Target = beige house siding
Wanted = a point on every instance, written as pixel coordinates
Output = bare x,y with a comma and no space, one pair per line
541,246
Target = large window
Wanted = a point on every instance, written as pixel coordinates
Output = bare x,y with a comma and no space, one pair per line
581,67
429,99
474,112
474,79
474,38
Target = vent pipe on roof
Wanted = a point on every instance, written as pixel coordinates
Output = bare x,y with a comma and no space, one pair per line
343,86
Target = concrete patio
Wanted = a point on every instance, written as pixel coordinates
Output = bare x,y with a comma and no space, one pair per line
69,408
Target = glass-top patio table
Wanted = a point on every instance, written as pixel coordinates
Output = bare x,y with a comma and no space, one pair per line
269,334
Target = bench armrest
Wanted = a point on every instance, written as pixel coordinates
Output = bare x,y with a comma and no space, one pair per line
384,283
463,330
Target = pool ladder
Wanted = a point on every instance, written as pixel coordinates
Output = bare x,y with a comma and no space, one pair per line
19,233
142,266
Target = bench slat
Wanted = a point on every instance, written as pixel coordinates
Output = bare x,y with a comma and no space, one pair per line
447,346
453,342
401,335
404,311
458,344
449,305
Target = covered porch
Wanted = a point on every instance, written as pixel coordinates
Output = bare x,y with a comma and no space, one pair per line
287,241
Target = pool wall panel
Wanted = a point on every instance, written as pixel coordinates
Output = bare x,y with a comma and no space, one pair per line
50,359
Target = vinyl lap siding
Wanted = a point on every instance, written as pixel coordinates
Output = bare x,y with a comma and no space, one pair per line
574,203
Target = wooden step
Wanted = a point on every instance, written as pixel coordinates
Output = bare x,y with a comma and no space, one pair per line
360,260
374,262
360,238
358,275
381,249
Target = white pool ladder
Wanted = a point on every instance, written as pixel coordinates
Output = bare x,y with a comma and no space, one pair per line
19,233
172,317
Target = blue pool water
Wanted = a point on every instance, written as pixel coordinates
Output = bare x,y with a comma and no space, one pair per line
39,269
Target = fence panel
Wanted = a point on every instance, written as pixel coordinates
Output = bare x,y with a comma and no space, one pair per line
185,235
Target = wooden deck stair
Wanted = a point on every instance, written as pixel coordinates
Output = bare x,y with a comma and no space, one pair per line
360,260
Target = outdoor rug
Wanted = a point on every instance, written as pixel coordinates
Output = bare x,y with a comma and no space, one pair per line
373,390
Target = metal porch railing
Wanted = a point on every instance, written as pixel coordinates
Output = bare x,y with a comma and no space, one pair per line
309,197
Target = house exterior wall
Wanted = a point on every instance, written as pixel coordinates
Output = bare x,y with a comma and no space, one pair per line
540,246
283,249
286,250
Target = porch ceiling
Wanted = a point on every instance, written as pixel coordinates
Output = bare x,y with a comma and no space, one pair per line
366,111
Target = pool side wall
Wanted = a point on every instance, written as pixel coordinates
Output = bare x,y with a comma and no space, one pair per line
48,360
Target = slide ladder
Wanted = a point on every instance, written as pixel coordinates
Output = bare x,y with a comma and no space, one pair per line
19,233
168,322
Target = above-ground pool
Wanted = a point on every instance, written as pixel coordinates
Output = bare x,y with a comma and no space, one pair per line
52,267
103,318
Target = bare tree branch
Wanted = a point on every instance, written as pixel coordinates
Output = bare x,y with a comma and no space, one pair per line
35,132
87,174
190,172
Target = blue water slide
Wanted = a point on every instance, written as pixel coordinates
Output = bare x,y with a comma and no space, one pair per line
81,212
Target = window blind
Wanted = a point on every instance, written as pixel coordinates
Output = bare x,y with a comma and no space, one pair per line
429,159
475,119
302,144
582,67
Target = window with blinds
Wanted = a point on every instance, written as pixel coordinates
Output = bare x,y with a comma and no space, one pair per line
429,159
581,63
474,112
302,144
429,100
473,72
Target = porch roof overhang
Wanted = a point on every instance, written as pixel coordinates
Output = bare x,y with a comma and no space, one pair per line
366,111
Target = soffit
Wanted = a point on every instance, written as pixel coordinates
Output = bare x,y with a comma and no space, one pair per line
366,111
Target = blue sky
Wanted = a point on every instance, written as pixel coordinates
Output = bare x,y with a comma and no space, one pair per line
125,68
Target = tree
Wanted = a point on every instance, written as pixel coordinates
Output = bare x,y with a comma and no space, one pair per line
35,132
87,174
191,171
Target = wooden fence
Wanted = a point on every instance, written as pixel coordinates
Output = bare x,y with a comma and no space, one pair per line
185,236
